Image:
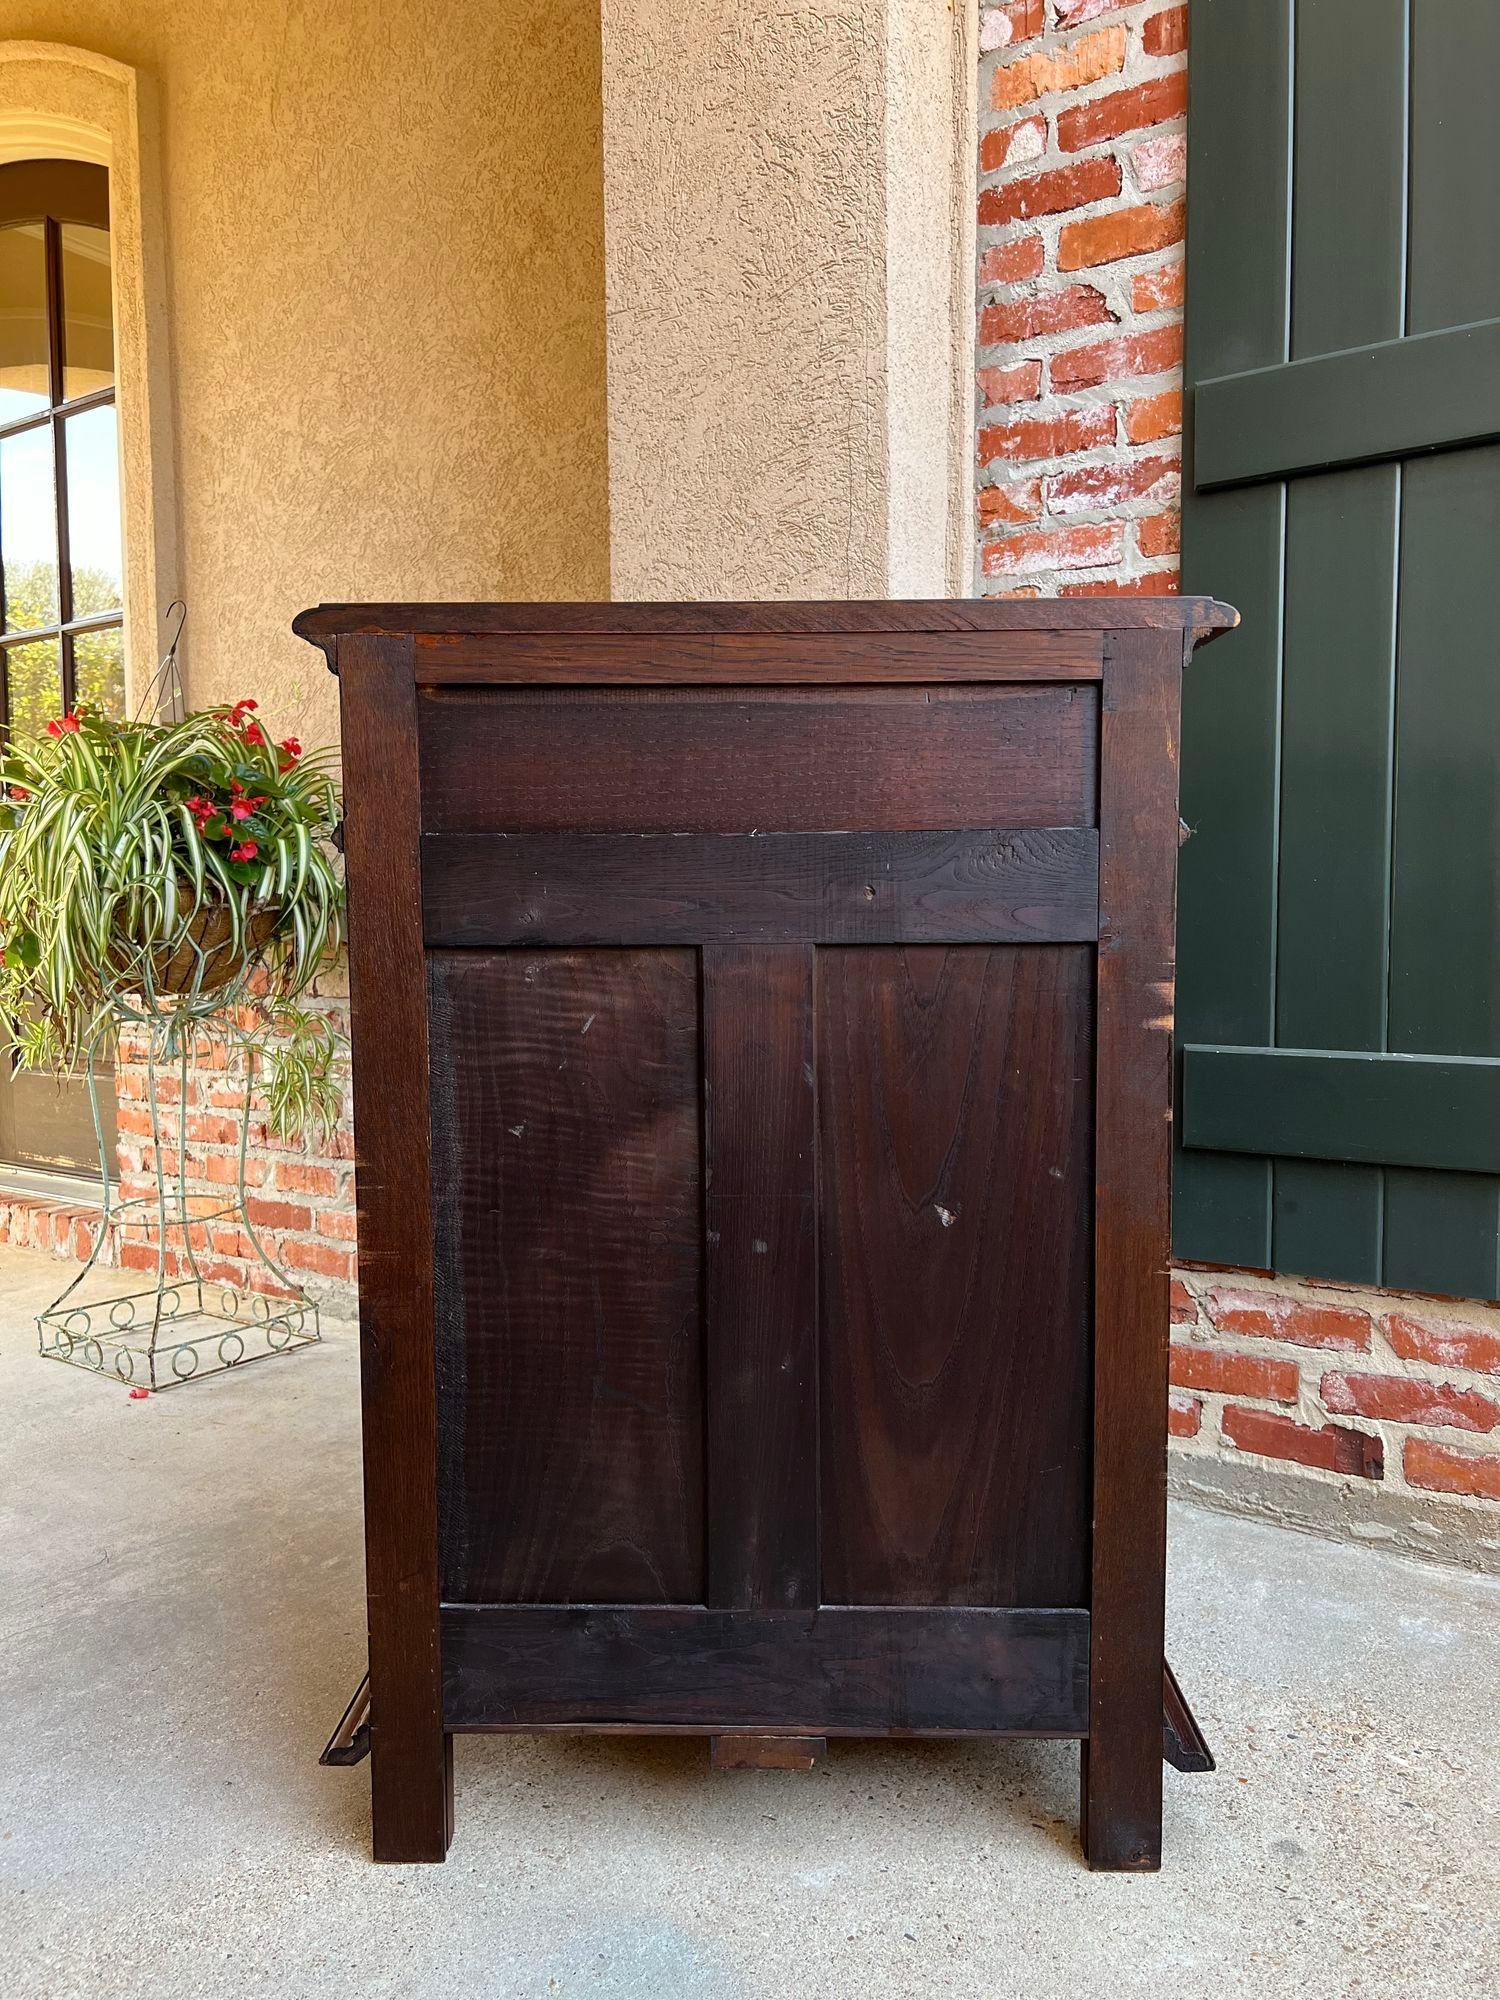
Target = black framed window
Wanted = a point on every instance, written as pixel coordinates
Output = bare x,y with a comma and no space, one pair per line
62,597
62,593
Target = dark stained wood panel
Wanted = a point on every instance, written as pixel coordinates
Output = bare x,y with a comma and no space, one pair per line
566,1159
624,659
761,1295
742,760
827,1671
1028,884
955,1124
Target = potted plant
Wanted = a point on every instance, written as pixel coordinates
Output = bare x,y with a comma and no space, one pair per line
172,868
181,876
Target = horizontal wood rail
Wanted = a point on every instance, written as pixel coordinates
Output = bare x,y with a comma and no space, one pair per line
866,1670
1392,398
616,659
714,760
1340,1104
1030,885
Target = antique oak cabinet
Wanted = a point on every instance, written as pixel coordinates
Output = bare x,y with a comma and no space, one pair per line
762,1052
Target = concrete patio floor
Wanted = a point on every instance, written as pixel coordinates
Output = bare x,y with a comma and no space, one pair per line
180,1624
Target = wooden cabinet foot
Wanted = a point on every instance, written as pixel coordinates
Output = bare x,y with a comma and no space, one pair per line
1121,1806
411,1798
766,1753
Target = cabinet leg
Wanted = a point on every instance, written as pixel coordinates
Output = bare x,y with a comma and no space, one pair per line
1120,1785
411,1796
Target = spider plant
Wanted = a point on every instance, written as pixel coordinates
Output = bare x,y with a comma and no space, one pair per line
168,868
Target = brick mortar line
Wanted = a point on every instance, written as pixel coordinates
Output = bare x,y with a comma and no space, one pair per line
1209,1442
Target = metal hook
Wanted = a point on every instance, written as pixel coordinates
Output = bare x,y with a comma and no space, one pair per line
164,689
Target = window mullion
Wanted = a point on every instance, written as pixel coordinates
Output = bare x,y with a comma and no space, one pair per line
64,557
59,454
52,239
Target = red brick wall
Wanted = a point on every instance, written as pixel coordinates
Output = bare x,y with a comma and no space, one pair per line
1081,165
299,1197
1372,1387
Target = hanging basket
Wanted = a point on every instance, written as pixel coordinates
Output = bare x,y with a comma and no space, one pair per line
206,961
203,966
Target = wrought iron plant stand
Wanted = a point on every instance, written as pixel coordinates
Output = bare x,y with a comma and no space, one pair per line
187,1323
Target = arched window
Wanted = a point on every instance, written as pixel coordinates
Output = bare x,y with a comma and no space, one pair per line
61,566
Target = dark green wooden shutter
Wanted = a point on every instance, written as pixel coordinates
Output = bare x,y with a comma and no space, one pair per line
1341,751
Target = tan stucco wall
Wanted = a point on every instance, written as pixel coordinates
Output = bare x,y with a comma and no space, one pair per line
790,285
930,157
384,298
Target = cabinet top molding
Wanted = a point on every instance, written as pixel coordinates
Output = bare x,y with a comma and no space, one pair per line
1203,616
850,641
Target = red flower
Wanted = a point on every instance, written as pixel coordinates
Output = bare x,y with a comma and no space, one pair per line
202,809
65,726
241,709
292,749
254,733
19,792
246,851
244,808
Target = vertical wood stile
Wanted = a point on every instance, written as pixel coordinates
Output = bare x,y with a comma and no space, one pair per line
761,1300
1122,1782
411,1757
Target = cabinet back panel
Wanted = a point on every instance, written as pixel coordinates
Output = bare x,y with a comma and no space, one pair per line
955,1091
567,1219
769,760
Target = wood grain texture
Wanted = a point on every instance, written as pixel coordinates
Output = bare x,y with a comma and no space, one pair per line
1023,885
767,1753
761,1291
955,1124
794,760
775,617
826,1672
740,659
411,1770
1132,1249
566,1147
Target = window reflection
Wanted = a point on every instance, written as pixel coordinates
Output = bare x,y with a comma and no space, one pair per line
88,322
99,670
62,573
94,511
28,529
24,385
34,676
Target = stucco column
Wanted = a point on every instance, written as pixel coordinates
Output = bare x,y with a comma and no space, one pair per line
789,289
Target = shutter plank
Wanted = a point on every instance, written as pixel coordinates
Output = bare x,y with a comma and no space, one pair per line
1238,252
1445,943
1337,746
